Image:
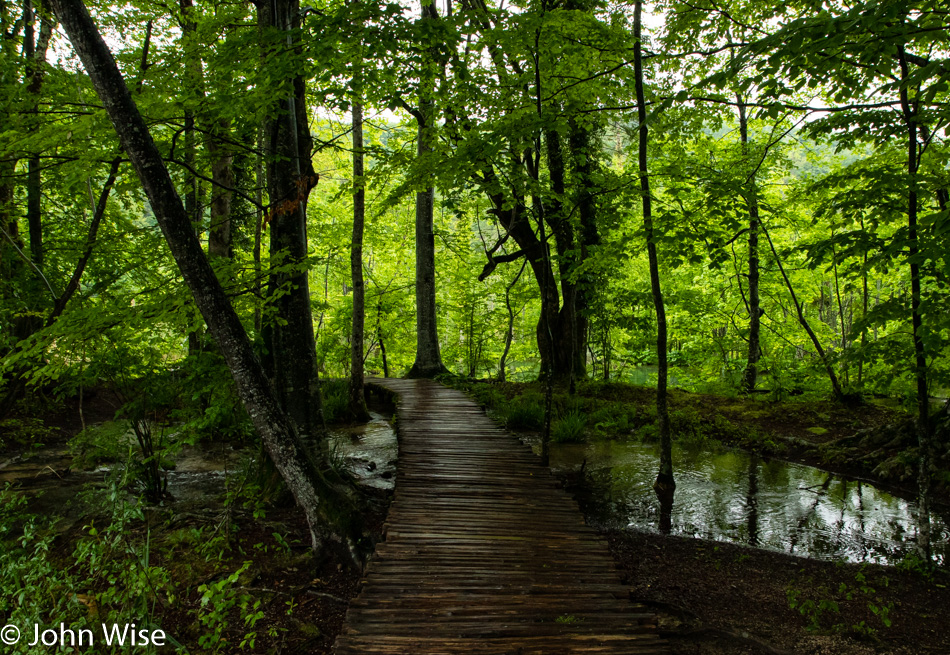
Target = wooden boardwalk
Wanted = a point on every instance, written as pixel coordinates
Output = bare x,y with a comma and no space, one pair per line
483,553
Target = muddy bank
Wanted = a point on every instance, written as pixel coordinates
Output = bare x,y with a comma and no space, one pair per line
224,546
722,599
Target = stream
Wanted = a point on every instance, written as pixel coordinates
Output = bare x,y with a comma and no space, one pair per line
199,472
741,498
728,496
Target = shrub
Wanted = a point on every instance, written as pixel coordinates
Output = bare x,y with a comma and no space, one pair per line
524,414
336,400
570,428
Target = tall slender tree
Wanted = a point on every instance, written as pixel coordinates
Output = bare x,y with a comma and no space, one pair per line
665,484
428,362
357,397
751,373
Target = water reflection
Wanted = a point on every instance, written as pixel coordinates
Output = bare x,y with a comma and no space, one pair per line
741,498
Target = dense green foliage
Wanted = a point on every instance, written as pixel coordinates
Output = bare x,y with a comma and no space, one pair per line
806,141
824,163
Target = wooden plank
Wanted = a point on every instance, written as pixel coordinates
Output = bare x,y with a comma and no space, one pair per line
483,552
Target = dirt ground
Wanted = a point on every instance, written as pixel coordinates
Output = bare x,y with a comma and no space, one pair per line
717,599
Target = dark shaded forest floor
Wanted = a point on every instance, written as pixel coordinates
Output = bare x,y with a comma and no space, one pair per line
199,541
718,599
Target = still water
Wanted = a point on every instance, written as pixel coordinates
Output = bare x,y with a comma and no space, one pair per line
368,451
195,473
723,496
737,497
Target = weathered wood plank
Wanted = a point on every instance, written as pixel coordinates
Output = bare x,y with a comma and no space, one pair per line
483,552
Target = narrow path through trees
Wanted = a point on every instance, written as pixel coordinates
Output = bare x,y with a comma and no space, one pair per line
483,553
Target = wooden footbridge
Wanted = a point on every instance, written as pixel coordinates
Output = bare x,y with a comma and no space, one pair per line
483,553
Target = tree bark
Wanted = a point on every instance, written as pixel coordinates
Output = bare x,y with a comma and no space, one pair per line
570,348
357,395
664,484
222,181
290,178
379,337
909,112
584,164
259,184
750,375
35,45
428,362
321,501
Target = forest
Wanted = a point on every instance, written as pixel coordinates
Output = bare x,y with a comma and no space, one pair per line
707,232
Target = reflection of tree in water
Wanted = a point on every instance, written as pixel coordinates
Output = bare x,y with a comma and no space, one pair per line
806,516
665,496
746,499
752,501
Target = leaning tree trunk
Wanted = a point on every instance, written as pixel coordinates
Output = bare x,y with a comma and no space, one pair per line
290,178
822,355
321,500
665,484
428,361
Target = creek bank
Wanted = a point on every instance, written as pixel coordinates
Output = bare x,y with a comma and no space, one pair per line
223,546
729,495
872,442
723,599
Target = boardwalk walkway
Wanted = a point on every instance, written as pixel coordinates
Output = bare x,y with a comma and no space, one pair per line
483,554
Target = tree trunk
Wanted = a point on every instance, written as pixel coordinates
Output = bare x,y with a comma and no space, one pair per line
258,227
665,484
290,178
584,166
569,361
379,337
222,183
321,500
909,111
428,361
553,340
750,375
35,45
864,314
357,396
